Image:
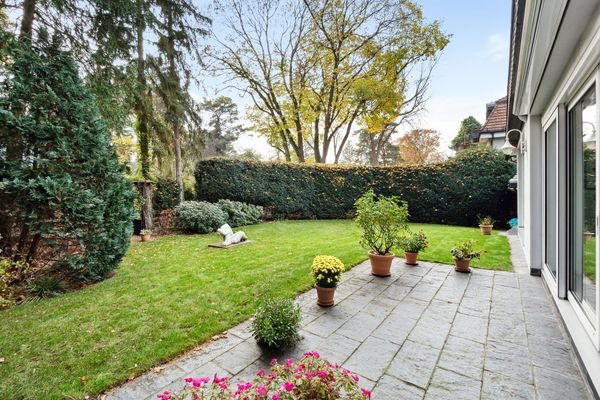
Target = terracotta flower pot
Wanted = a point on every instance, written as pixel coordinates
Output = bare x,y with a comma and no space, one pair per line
462,264
410,258
486,229
146,238
325,296
587,236
381,265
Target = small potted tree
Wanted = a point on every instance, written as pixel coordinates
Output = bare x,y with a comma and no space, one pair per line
382,220
486,224
412,243
327,272
463,253
146,234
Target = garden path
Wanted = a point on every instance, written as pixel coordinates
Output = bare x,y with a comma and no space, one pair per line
426,332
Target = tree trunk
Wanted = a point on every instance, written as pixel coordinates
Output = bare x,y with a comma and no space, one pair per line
27,21
316,145
175,98
142,95
373,151
178,168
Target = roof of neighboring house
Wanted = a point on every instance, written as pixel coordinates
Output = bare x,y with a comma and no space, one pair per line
496,120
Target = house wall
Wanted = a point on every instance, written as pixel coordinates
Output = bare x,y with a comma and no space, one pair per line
558,61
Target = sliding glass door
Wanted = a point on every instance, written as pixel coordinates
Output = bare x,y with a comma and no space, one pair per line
583,131
550,198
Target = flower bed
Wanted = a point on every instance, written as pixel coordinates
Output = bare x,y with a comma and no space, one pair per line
312,377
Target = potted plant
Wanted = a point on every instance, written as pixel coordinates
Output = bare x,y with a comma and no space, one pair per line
276,323
486,224
463,253
146,234
381,220
412,243
327,272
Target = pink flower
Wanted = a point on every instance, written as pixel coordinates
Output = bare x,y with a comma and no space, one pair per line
261,390
273,361
260,372
366,392
312,354
275,396
166,395
289,362
242,387
323,374
288,386
355,377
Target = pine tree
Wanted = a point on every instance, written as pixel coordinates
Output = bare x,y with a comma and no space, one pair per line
65,205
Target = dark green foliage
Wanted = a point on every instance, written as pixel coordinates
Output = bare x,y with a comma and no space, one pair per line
198,217
468,127
239,213
166,195
452,192
46,286
64,201
276,323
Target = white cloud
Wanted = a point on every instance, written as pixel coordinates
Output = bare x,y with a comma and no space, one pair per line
497,47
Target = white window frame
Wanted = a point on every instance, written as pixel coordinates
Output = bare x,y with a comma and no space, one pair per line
584,318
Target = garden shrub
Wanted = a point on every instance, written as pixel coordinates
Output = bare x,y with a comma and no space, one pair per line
64,202
452,192
276,323
198,217
239,213
165,195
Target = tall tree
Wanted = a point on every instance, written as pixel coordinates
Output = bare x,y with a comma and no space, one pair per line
309,66
468,127
179,30
420,146
74,205
371,149
223,126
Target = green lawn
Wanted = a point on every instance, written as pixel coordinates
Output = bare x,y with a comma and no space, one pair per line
173,293
589,259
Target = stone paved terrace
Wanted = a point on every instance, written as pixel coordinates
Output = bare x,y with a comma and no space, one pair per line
426,332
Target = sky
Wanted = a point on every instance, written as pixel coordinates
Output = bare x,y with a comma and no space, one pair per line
471,72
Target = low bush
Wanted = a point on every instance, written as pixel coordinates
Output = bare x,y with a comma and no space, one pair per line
452,192
198,217
239,213
276,323
165,195
46,286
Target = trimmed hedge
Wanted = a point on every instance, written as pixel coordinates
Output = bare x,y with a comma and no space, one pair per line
452,192
166,195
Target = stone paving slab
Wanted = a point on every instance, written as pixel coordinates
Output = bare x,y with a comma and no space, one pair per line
426,332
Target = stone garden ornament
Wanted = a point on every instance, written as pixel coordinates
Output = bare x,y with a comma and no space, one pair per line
229,237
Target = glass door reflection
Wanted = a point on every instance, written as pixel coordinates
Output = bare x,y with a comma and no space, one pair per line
582,121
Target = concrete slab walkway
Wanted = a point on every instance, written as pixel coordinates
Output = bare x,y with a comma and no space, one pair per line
426,332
